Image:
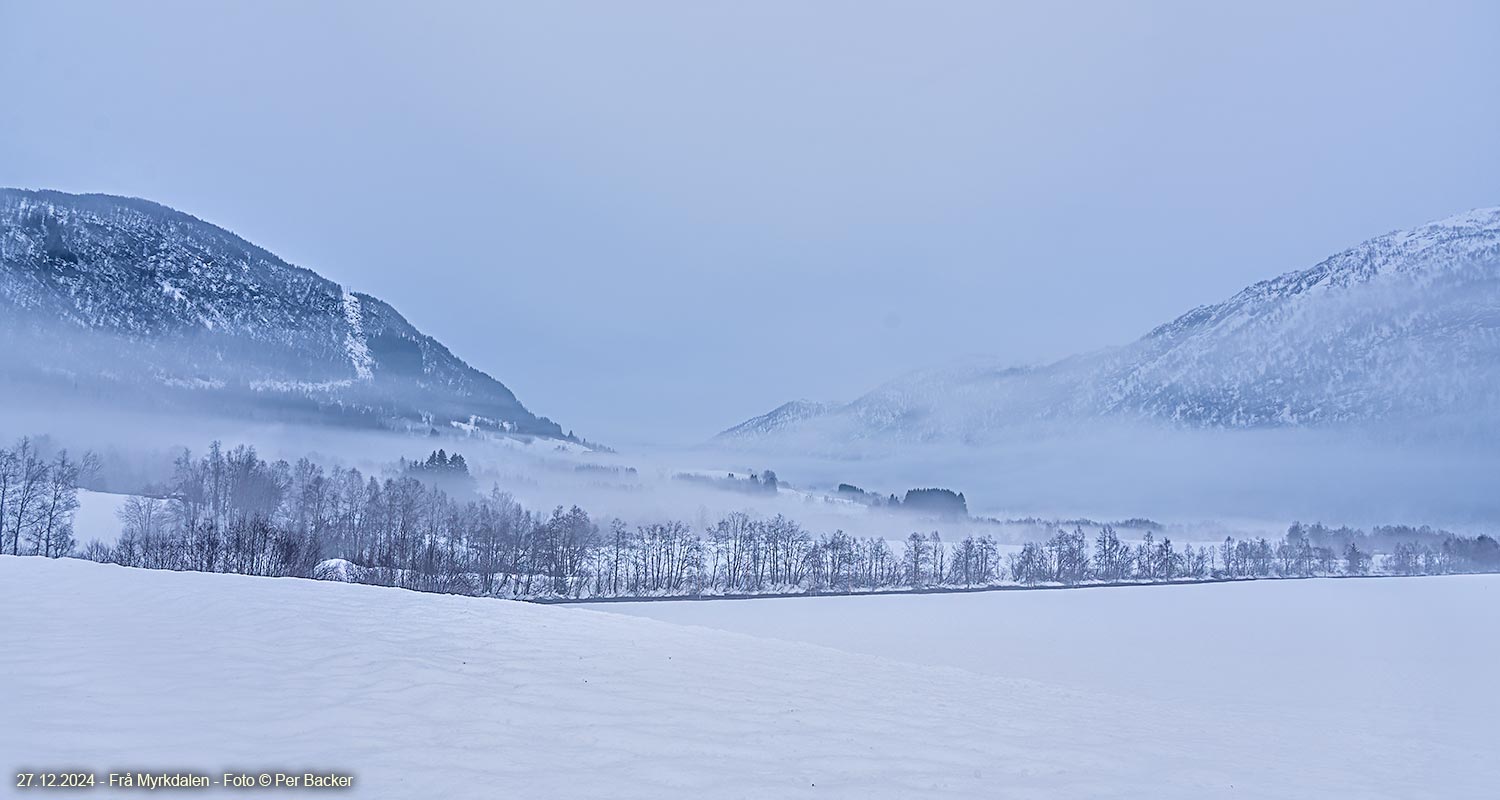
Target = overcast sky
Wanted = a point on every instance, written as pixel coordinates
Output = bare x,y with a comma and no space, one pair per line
653,220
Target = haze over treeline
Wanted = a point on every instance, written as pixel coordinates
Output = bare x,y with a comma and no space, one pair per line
139,330
424,527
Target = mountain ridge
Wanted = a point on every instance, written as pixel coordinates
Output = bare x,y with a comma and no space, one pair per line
128,294
1406,324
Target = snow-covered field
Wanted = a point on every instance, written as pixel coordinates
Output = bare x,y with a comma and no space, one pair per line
1390,677
1384,644
98,516
441,696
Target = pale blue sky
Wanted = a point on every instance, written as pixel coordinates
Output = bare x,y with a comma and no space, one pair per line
653,220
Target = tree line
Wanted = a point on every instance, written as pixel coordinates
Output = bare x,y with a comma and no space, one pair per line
1070,558
231,511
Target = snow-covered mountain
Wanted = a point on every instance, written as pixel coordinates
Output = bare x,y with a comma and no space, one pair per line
1405,326
122,300
782,417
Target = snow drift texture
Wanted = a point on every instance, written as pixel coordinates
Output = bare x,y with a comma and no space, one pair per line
425,695
129,302
1403,327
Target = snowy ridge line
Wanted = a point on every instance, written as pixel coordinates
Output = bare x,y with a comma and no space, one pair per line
1398,328
121,290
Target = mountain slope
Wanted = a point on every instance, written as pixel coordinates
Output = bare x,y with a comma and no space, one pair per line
117,297
782,417
1403,326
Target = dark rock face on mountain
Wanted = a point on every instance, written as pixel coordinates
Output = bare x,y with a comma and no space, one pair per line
1404,327
131,303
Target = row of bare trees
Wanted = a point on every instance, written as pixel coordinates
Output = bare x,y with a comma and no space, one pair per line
1067,558
38,496
229,510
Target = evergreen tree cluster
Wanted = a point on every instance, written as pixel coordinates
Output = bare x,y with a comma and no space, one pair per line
753,483
438,465
942,502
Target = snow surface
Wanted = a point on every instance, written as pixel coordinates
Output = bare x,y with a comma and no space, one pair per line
444,696
1389,676
354,339
98,516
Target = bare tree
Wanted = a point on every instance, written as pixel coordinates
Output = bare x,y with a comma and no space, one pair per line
52,532
914,560
30,474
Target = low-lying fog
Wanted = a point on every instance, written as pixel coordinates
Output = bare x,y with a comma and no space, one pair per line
1203,485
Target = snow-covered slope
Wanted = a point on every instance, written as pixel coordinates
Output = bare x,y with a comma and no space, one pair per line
1403,326
439,696
784,416
126,300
